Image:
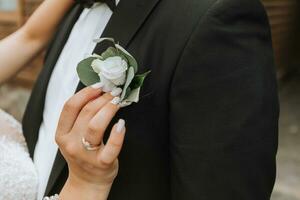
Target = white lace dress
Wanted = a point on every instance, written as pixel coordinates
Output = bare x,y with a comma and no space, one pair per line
18,178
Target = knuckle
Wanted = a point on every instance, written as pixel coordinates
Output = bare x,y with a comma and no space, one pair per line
86,91
70,105
92,127
70,149
88,109
116,145
104,163
109,164
58,140
101,130
108,96
95,128
113,109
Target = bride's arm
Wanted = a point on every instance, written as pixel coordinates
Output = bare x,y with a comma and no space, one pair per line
86,116
22,46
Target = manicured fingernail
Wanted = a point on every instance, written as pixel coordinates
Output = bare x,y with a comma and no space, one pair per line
116,100
97,85
116,92
120,126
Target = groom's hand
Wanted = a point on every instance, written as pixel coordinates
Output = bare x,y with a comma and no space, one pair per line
85,118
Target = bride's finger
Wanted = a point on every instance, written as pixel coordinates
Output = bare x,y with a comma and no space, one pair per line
99,123
73,107
89,111
114,144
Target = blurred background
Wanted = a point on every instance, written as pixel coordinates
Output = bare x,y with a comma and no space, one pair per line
284,18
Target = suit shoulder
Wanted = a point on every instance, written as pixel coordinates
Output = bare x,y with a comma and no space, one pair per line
226,9
187,9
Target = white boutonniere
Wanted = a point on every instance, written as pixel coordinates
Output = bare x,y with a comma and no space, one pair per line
116,70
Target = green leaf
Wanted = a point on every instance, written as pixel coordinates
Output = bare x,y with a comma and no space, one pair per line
132,93
131,60
86,73
128,91
100,40
134,96
129,78
110,52
138,80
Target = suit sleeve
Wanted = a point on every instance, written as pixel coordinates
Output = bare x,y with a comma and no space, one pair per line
224,107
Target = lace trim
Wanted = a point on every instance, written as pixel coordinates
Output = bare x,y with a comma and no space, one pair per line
11,120
11,128
18,176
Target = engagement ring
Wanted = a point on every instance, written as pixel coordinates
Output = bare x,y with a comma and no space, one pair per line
88,146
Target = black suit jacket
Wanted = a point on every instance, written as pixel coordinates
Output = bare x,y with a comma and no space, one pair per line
206,125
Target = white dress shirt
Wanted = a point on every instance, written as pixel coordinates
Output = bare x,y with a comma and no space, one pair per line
63,83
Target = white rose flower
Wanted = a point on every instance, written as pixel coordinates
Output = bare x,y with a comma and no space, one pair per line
108,86
112,72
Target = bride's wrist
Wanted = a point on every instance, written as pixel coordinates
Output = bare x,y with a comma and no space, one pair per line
75,189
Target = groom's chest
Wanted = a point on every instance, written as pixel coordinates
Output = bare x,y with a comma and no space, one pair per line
156,44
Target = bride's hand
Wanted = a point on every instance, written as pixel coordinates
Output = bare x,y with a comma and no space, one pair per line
86,116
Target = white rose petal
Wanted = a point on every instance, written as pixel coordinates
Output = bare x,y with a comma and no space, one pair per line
119,81
96,65
113,69
108,86
116,91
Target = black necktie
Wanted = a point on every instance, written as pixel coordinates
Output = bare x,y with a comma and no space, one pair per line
89,3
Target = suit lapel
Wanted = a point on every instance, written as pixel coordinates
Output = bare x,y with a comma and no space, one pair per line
126,21
123,25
